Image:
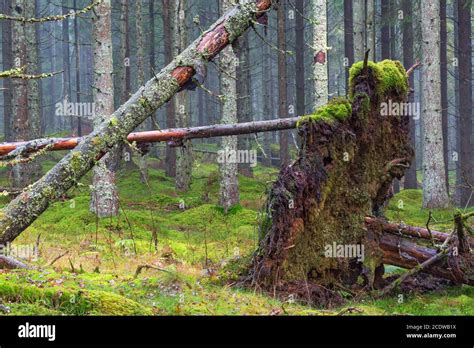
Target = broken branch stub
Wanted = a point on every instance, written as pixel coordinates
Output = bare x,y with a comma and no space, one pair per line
24,209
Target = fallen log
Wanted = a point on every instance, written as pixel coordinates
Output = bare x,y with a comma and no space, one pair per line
403,253
174,135
8,262
25,208
407,230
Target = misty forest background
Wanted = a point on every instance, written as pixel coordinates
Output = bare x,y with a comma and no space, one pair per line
176,208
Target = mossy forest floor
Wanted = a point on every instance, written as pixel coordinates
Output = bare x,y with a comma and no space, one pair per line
200,251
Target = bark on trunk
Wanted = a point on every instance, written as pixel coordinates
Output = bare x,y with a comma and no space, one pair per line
407,28
443,59
24,209
25,93
66,56
299,57
465,102
229,185
142,157
434,181
168,10
370,28
348,39
184,155
7,63
104,195
282,84
77,47
320,44
359,29
385,28
244,105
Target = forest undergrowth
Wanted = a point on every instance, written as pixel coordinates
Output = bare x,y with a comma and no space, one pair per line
193,254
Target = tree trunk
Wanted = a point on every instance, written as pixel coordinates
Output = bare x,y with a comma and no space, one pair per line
282,84
370,28
244,105
104,195
168,11
184,155
465,101
266,96
434,181
348,39
7,62
343,172
407,28
25,208
66,56
359,29
125,73
25,108
320,43
78,67
299,57
142,159
385,27
444,86
229,185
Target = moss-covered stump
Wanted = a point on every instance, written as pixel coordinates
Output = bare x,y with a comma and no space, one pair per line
349,158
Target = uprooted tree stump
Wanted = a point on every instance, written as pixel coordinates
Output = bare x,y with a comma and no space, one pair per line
349,158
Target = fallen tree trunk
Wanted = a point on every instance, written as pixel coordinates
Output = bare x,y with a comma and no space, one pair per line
402,253
175,135
7,262
399,245
408,231
25,208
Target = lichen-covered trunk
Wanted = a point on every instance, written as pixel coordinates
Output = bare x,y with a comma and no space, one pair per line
244,105
229,185
350,155
104,195
359,29
168,7
142,159
370,28
25,208
7,63
184,154
124,78
411,181
466,150
320,47
434,177
300,45
267,100
25,123
282,83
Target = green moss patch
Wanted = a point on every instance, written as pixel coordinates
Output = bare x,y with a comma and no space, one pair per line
337,109
70,301
390,75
